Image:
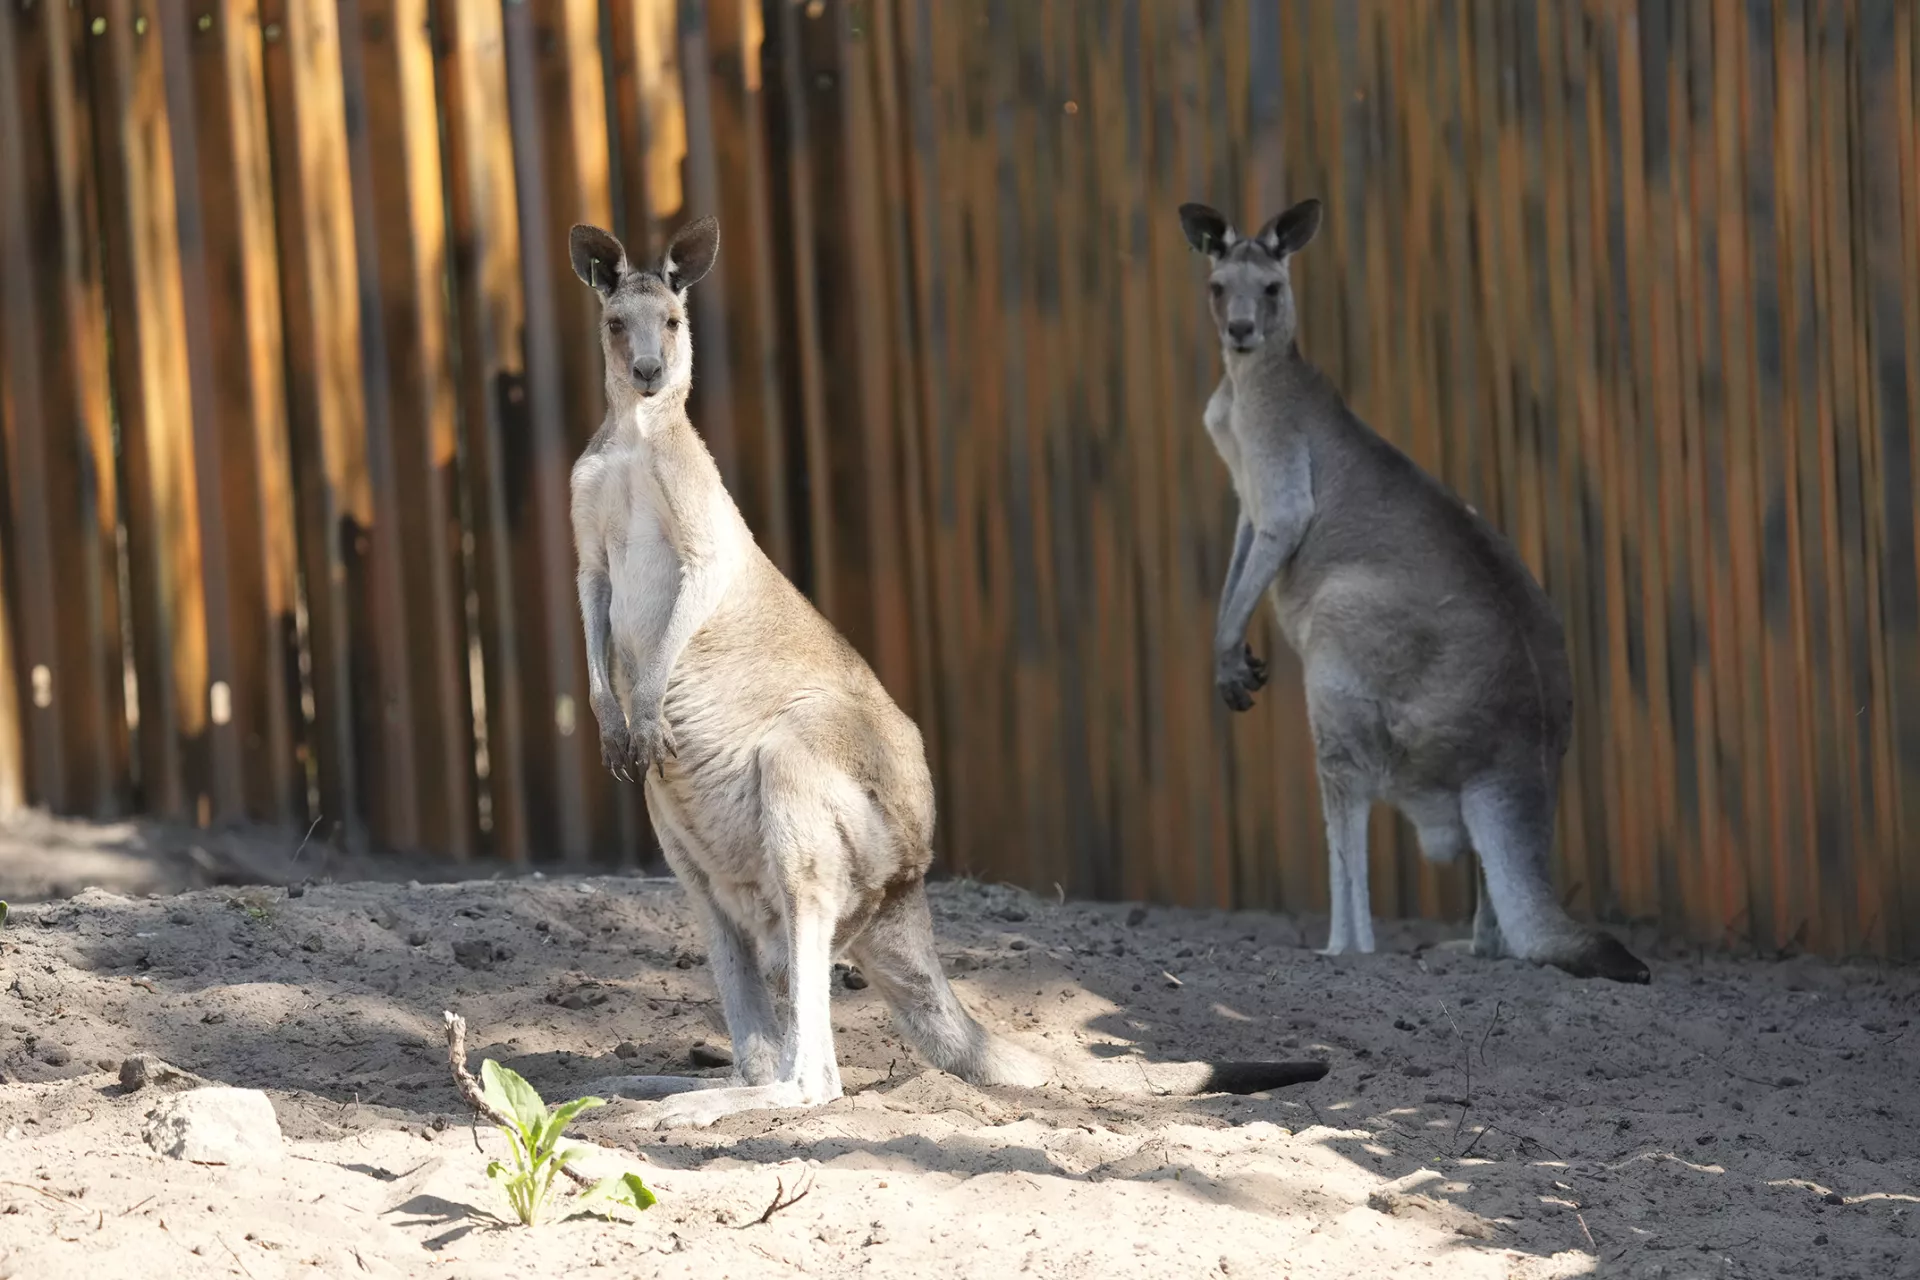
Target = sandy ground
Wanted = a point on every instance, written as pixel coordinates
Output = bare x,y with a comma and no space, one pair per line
1737,1118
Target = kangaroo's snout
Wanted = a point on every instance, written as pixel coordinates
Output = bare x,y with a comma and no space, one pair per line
1240,332
646,374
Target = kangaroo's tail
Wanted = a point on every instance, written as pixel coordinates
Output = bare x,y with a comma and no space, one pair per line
896,953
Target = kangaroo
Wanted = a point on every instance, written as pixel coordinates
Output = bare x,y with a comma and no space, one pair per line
1436,670
790,795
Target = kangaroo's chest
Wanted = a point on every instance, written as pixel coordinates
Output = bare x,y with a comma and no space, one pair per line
641,561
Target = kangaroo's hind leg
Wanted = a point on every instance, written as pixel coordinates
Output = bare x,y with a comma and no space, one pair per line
1487,940
1346,802
753,1014
809,813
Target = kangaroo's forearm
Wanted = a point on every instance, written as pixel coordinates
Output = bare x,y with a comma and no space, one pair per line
1236,566
596,616
1277,534
1271,549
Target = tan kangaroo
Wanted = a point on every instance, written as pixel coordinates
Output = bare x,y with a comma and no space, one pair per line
790,795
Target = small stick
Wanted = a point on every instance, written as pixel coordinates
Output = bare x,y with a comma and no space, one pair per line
303,843
1499,1007
1587,1233
782,1201
236,1257
470,1088
1466,1054
54,1196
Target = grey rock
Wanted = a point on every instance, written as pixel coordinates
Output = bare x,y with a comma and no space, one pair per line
216,1125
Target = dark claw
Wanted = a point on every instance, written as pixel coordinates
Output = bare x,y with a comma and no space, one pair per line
1257,668
1235,695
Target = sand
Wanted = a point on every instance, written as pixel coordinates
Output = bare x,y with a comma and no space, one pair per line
1739,1117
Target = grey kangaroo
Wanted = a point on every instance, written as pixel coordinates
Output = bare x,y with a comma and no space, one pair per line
1436,671
790,795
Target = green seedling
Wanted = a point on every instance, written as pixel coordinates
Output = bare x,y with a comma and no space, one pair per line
537,1157
3,915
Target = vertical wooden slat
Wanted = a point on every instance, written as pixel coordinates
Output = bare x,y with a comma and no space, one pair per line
485,230
81,480
735,36
933,102
224,792
712,401
1886,491
154,406
1844,895
650,115
363,753
1902,103
13,783
1786,766
1805,496
546,605
394,140
1742,682
248,401
30,530
791,133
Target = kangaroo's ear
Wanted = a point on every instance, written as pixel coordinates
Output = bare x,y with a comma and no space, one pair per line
597,258
691,253
1207,231
1289,232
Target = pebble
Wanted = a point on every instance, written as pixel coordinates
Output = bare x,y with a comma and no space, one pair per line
626,1049
1137,917
143,1069
708,1055
474,953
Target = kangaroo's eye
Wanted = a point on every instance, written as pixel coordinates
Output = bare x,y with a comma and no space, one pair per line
616,327
673,324
1273,290
1216,288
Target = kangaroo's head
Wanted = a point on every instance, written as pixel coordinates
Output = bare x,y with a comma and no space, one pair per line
1252,293
643,310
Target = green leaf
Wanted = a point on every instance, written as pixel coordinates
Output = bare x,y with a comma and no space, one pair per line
499,1172
561,1115
507,1091
571,1154
3,915
626,1190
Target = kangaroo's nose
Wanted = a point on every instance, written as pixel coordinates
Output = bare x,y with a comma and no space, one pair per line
1239,330
646,370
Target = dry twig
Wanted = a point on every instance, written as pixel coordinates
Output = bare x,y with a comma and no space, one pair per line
781,1200
236,1257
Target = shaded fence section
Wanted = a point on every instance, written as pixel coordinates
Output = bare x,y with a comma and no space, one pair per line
292,369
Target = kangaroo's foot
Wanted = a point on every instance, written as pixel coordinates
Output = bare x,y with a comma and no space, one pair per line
697,1110
1600,955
